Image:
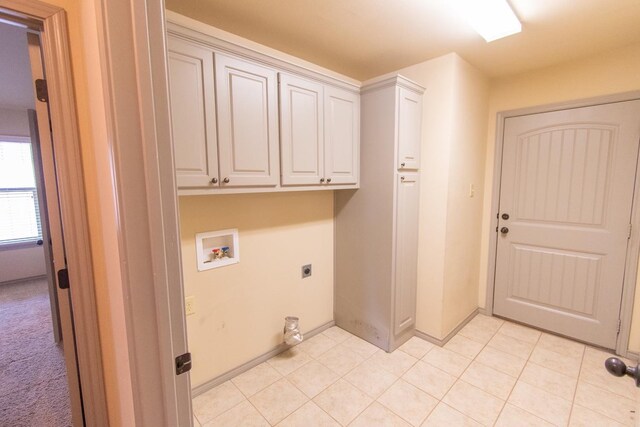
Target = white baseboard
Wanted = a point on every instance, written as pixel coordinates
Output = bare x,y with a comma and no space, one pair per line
202,388
23,279
443,341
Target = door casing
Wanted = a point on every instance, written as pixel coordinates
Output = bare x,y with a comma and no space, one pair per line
51,22
633,251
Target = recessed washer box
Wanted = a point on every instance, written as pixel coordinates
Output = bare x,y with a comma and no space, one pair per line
217,248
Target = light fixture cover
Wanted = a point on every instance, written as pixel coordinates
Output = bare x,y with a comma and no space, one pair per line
492,19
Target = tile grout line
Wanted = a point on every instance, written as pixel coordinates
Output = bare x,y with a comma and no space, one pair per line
458,378
340,377
398,380
593,385
575,391
474,359
518,379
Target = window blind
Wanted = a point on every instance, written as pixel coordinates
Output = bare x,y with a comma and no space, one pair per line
19,209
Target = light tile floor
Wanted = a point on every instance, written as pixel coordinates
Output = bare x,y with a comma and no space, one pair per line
493,372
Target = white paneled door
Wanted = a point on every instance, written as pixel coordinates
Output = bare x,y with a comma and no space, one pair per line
564,220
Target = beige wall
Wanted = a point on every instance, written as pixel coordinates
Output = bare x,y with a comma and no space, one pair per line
240,308
464,213
14,122
608,73
437,77
452,158
17,264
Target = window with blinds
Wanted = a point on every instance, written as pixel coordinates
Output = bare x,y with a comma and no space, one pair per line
19,210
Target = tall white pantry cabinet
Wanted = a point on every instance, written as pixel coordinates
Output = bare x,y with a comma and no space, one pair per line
376,227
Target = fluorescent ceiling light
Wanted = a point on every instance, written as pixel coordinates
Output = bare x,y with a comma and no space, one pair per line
492,19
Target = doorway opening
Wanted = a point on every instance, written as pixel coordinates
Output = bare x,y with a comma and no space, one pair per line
38,353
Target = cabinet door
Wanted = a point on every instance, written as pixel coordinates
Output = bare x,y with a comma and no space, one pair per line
409,129
247,105
193,125
301,131
341,136
406,256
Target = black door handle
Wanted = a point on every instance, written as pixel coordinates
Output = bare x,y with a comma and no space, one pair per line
504,230
618,368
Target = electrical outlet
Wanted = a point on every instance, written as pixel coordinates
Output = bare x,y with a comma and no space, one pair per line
306,270
472,190
190,305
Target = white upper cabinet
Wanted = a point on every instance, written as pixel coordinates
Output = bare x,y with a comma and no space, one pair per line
409,119
341,136
247,102
191,86
235,130
301,131
320,133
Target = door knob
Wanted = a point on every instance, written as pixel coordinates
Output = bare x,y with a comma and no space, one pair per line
504,230
214,180
618,368
226,180
328,180
321,180
505,216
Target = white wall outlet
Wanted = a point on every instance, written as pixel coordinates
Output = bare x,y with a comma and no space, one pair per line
190,305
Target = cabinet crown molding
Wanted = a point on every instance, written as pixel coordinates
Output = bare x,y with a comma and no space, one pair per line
198,32
395,80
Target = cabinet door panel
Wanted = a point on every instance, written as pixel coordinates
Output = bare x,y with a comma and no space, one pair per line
406,256
247,123
301,131
409,129
342,136
193,113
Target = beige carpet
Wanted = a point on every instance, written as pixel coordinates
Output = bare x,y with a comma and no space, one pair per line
33,383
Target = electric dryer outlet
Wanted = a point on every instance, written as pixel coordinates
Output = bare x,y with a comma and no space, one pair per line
306,271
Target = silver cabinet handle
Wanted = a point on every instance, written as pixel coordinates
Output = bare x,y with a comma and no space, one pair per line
321,180
402,164
328,180
226,180
214,180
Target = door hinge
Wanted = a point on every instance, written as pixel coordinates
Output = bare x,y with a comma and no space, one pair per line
629,235
42,93
183,363
619,326
63,278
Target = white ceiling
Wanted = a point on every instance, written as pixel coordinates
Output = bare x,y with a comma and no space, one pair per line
366,38
15,70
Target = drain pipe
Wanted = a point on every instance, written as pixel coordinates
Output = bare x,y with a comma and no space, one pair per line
292,334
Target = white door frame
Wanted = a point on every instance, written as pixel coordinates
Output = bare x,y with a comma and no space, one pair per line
633,249
132,49
44,223
51,22
133,55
